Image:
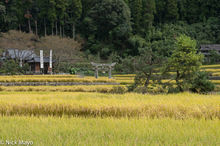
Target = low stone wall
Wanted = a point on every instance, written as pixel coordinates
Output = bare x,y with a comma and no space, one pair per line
51,83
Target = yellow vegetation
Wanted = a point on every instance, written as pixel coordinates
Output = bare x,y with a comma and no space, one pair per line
211,66
179,106
78,88
53,79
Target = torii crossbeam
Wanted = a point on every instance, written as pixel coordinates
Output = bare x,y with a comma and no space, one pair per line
98,66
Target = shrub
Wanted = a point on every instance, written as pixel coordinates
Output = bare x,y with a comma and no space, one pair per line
141,90
152,90
119,90
201,84
72,71
213,57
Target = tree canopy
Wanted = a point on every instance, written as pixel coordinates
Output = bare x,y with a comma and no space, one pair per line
108,26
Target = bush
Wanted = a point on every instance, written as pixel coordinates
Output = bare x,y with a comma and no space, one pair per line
201,84
72,71
11,67
173,89
119,90
142,90
213,57
152,90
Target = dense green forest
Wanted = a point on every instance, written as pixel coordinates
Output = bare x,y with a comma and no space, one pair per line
119,27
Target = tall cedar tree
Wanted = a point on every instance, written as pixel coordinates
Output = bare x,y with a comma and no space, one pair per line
172,14
74,11
136,14
148,11
108,26
2,14
60,13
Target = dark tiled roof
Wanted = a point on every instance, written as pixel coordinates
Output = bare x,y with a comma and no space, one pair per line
26,55
210,47
37,59
21,54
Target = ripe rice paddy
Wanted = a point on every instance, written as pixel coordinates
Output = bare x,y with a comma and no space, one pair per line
78,88
53,79
54,131
84,115
177,106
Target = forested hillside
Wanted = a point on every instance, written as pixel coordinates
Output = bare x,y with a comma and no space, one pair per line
119,27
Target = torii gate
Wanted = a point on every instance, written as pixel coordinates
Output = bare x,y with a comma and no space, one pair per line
98,66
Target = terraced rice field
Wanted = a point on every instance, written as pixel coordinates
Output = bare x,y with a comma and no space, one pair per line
93,115
53,78
82,118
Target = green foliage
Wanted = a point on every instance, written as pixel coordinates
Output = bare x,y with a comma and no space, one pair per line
118,90
185,62
136,42
147,19
136,14
213,57
72,71
171,10
202,84
2,10
110,18
108,26
2,14
145,66
152,90
74,11
11,67
160,9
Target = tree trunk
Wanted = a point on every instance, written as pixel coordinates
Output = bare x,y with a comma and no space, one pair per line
56,29
36,31
178,82
52,29
148,79
45,28
60,31
20,27
74,31
63,32
29,25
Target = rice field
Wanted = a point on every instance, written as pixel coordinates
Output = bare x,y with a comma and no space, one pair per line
64,131
52,78
78,88
96,115
83,104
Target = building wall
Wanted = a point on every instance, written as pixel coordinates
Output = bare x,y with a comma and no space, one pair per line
37,67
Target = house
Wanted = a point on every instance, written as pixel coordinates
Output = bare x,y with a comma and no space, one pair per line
29,57
205,49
